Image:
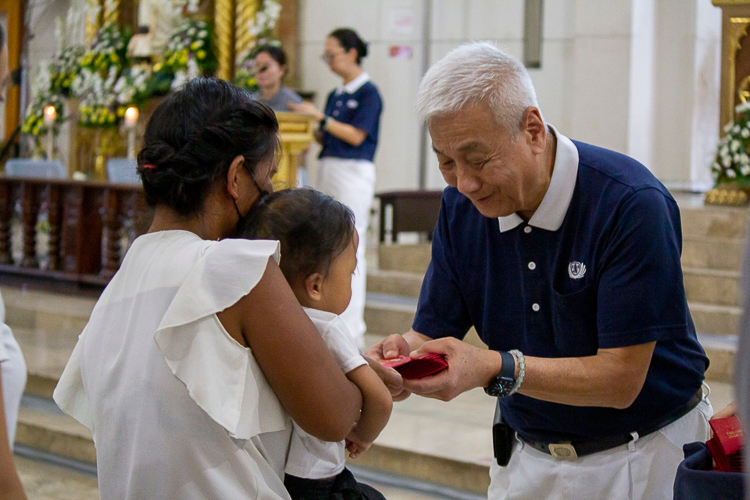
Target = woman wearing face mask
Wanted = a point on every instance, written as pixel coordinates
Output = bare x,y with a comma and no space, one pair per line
348,131
270,68
198,352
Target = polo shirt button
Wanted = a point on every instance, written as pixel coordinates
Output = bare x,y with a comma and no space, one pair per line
336,113
532,265
535,307
527,229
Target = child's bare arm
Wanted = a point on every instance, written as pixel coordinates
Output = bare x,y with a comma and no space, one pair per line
376,403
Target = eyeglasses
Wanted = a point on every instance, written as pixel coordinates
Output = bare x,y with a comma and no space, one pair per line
328,57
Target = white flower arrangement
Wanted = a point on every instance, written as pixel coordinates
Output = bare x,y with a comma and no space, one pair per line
265,19
181,77
133,86
732,162
98,106
43,95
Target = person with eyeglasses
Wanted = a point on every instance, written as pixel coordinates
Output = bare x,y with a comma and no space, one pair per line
270,67
348,131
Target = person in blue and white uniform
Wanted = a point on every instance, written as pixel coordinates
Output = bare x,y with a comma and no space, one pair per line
565,257
348,130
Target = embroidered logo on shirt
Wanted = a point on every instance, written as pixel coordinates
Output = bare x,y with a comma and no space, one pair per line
352,104
576,270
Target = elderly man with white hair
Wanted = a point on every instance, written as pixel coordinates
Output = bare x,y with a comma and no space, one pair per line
565,257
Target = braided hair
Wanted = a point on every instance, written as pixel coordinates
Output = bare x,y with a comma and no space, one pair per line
193,137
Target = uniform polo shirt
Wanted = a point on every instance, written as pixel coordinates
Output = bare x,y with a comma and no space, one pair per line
358,104
596,266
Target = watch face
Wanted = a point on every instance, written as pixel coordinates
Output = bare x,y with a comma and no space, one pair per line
500,386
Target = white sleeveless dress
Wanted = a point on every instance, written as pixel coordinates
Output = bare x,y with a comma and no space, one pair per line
178,409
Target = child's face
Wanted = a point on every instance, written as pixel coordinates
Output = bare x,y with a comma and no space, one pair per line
336,289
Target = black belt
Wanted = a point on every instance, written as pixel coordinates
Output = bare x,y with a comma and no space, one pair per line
575,449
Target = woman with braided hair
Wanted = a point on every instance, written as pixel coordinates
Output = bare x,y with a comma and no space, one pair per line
197,353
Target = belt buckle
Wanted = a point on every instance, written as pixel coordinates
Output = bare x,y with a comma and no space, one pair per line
563,451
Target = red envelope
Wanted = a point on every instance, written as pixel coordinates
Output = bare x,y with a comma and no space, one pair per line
415,368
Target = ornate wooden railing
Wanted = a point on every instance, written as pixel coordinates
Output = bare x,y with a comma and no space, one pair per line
65,230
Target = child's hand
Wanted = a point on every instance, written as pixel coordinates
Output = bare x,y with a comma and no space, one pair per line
355,446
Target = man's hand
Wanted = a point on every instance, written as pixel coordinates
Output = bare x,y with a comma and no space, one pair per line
468,367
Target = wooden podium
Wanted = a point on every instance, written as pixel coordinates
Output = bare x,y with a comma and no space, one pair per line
296,132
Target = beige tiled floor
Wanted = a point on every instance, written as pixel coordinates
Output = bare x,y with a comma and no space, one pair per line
47,482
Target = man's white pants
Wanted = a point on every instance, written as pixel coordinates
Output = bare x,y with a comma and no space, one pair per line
352,182
643,469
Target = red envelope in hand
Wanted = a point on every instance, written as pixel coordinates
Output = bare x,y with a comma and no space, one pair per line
414,368
726,445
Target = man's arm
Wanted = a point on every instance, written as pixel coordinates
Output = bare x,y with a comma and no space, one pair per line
611,378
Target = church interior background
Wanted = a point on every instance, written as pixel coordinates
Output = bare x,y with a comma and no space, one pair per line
655,79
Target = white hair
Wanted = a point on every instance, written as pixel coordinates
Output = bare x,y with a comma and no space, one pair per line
477,72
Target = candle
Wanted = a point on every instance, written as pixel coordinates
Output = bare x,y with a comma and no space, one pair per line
131,118
50,114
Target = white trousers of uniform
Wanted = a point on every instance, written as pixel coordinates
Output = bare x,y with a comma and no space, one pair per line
643,469
352,182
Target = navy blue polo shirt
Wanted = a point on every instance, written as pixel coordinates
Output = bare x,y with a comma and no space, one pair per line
358,104
609,277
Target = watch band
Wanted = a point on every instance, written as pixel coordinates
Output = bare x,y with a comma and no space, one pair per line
502,385
323,123
509,365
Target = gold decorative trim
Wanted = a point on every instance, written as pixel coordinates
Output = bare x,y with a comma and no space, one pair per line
224,29
737,30
93,22
111,12
246,10
723,3
724,196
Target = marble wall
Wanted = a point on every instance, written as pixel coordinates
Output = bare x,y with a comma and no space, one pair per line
637,76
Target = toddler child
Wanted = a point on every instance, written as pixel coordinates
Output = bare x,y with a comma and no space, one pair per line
318,257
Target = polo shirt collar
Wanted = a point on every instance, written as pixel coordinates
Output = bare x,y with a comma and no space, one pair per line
354,85
556,201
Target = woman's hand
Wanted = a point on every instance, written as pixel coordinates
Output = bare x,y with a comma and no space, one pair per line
306,108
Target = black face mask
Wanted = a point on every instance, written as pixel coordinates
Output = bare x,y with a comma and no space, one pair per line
245,220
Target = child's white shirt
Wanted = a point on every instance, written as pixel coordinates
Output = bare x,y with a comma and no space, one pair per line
310,457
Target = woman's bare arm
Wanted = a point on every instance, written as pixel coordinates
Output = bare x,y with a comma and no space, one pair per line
294,358
10,484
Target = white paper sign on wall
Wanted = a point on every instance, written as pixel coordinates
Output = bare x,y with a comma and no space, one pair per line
401,21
